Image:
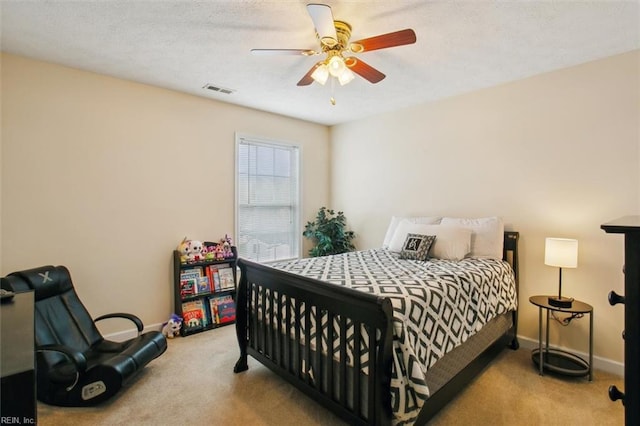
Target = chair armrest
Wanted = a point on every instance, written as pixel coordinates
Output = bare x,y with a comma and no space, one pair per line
78,358
130,317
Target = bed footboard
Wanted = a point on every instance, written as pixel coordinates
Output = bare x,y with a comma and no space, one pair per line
331,342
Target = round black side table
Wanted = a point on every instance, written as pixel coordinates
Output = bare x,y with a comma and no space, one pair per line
557,360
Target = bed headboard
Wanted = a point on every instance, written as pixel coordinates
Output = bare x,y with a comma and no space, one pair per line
510,251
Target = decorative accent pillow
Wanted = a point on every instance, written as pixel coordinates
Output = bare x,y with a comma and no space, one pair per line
487,235
416,247
395,221
452,242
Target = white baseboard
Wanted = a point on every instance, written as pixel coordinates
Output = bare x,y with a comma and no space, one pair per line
599,363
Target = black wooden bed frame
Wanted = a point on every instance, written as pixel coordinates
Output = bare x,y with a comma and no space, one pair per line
356,397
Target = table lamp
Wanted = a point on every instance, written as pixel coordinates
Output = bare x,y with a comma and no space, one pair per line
563,253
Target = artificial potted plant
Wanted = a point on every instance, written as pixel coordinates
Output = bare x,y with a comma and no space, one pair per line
329,234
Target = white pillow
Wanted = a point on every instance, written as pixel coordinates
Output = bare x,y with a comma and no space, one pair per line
395,220
452,242
487,238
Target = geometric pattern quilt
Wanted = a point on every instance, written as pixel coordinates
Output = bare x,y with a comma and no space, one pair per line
437,306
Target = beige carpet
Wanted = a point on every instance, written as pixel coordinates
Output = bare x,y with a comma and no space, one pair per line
193,384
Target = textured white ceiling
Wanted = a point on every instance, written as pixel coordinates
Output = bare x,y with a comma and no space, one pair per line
183,45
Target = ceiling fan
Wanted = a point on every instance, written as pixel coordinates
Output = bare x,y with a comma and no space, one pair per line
334,36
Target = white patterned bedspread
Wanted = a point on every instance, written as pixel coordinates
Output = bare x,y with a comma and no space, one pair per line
437,306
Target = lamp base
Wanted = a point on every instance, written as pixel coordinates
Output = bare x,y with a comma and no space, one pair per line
561,302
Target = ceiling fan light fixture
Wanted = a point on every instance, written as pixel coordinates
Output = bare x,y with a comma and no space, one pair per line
334,37
336,66
346,76
320,74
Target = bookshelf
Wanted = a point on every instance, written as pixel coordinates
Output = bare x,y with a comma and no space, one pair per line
204,293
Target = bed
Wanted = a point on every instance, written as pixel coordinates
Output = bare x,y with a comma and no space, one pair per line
348,330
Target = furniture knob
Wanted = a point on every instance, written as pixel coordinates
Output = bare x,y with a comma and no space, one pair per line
615,298
615,394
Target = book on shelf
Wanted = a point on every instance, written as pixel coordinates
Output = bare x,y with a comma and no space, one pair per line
207,273
227,312
194,315
226,278
188,287
214,277
213,309
223,309
203,285
191,273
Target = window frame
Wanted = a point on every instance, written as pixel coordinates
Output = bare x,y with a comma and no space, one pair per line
256,140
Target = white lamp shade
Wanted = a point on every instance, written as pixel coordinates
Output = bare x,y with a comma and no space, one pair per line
346,76
561,252
336,66
320,74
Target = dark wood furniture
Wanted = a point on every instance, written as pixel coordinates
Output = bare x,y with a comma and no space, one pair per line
204,297
630,227
358,398
17,360
556,360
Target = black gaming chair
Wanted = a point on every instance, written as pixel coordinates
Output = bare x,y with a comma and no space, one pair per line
76,366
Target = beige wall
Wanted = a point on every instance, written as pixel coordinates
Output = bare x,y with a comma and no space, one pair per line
106,177
554,155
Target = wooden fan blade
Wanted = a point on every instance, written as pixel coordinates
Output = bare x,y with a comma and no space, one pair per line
323,23
397,38
294,52
366,71
307,79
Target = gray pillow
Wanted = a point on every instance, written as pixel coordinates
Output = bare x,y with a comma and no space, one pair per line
416,247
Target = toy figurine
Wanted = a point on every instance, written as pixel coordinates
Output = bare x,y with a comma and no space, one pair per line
209,252
194,251
183,248
219,252
171,328
226,247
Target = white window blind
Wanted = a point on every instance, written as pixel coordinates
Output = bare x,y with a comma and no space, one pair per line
267,200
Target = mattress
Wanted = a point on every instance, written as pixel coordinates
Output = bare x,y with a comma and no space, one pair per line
457,359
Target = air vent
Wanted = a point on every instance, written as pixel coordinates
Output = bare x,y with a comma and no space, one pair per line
218,89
